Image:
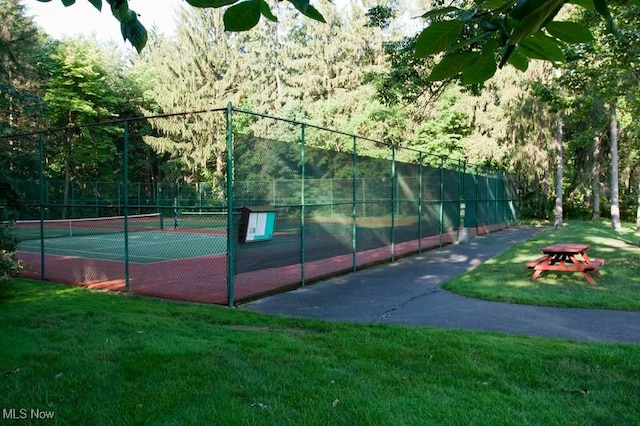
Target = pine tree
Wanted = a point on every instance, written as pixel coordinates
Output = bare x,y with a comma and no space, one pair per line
203,74
21,43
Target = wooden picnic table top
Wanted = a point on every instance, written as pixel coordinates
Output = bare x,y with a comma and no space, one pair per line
571,248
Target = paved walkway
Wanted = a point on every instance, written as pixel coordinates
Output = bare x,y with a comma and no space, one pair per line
408,292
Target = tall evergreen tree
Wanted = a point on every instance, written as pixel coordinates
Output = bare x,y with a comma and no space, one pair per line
203,73
21,44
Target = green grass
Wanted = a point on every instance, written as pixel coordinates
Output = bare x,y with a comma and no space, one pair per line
105,358
505,277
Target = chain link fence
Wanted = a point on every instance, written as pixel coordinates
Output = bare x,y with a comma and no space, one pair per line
97,206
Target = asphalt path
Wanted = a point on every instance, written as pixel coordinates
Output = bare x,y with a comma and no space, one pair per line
409,292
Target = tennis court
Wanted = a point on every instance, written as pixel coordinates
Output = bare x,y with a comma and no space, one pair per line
335,210
185,256
144,247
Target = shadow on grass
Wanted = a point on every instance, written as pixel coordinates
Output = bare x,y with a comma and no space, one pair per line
506,278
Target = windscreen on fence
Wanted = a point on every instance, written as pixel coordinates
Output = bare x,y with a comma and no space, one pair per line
95,208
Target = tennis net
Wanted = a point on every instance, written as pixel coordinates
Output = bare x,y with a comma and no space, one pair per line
55,228
201,219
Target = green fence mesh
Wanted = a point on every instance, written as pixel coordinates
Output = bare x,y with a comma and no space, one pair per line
92,209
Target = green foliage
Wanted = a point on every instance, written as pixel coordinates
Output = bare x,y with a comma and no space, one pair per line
381,16
570,32
406,79
505,32
443,134
9,265
505,277
326,74
498,29
21,47
77,93
239,16
437,37
202,76
65,348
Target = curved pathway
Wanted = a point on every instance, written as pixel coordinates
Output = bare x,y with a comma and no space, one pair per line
408,292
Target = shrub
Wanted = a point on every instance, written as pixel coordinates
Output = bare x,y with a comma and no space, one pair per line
9,265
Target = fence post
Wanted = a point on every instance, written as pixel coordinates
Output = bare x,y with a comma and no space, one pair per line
420,189
302,204
394,183
441,218
230,239
354,200
42,196
477,187
95,193
489,203
497,201
126,204
463,231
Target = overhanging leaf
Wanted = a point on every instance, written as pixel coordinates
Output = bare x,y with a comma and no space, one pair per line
437,37
452,64
603,9
586,4
518,60
434,13
243,16
570,32
120,11
301,5
540,46
496,4
308,10
68,2
468,15
97,4
266,11
533,21
481,70
134,31
211,3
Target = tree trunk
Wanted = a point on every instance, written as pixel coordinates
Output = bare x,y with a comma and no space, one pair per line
615,191
595,179
559,172
544,195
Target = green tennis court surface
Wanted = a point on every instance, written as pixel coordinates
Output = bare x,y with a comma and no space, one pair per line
144,247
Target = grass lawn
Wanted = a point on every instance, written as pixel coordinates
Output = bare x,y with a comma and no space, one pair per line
103,358
505,277
87,357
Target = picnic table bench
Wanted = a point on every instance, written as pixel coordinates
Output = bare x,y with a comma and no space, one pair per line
566,258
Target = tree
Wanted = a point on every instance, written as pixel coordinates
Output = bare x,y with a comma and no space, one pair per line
475,39
615,190
605,73
237,17
77,94
21,44
557,224
205,74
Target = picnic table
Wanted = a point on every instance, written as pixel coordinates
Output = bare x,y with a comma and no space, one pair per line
566,258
